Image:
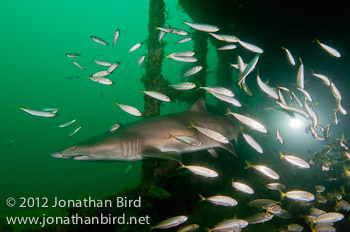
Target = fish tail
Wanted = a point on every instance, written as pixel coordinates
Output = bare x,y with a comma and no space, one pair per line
281,154
202,198
301,62
240,129
207,229
248,164
181,165
317,41
170,135
282,195
191,125
228,111
283,48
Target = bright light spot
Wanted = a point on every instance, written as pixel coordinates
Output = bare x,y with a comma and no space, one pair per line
295,123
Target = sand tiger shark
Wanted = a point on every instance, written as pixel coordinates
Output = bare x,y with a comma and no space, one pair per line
150,138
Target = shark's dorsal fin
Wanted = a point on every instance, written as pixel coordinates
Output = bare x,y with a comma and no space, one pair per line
199,107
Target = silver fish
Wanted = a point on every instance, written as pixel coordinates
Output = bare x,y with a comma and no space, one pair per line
267,89
226,38
67,123
264,170
202,27
219,90
187,140
227,99
113,67
136,46
102,80
103,63
99,40
300,75
75,131
250,47
201,171
183,86
192,71
329,49
242,187
229,225
210,133
116,37
295,160
227,47
171,222
329,218
78,65
101,74
141,59
299,195
252,143
184,59
184,40
130,109
220,200
252,123
114,127
157,95
289,56
72,55
39,113
279,137
324,78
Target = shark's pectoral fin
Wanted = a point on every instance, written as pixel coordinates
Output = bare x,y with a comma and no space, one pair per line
213,153
229,147
154,153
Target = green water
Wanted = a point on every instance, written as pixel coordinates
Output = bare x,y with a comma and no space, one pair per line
35,38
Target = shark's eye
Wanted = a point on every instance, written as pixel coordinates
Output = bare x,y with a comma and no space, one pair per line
72,148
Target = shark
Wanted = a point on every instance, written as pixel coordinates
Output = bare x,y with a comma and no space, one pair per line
150,138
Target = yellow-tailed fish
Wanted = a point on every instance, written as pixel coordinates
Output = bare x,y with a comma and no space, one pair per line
67,123
250,47
261,203
202,27
102,80
46,114
103,63
267,89
254,144
279,137
248,68
259,218
75,131
113,67
252,123
72,55
226,38
185,40
329,49
289,56
116,37
233,225
192,71
101,74
141,60
329,218
188,228
227,99
242,187
99,40
186,53
275,186
299,195
219,90
324,78
78,65
189,59
295,160
186,139
210,133
201,171
130,109
171,222
183,86
227,47
300,75
220,200
157,95
136,46
264,170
